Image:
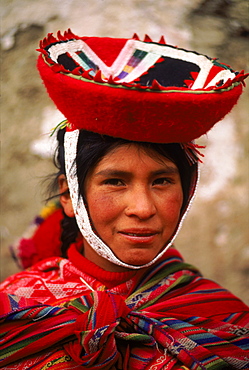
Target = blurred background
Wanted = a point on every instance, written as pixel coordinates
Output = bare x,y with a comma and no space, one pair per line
215,235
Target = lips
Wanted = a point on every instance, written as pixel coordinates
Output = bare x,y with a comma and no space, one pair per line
139,235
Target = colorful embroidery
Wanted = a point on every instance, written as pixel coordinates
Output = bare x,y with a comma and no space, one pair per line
152,328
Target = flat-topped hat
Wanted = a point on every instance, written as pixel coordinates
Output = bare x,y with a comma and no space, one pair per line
136,90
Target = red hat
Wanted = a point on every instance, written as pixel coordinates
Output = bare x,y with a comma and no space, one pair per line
136,90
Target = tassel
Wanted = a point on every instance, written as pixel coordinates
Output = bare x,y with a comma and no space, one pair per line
86,74
70,35
60,37
192,152
51,39
77,71
156,86
57,67
147,38
42,51
128,84
47,40
112,81
162,41
135,37
98,77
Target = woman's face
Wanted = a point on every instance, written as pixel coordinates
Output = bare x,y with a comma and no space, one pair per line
134,201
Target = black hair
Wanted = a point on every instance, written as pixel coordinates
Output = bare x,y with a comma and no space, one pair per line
92,147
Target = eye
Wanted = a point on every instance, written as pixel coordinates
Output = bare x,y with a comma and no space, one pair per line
114,182
162,181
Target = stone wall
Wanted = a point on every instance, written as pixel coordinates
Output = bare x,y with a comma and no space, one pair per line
215,234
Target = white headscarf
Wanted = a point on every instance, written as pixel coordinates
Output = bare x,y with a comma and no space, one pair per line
81,214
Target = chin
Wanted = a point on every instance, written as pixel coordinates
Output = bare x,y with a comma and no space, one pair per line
138,260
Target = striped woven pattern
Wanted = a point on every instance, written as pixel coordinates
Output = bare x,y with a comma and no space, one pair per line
150,328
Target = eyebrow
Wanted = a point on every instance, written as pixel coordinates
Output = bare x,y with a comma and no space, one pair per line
168,170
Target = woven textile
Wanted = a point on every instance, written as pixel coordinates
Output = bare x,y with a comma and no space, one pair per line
166,317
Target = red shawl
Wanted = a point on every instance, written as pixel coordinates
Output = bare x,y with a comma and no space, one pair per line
73,314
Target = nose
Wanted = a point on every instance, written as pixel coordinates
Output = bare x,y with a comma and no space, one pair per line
140,204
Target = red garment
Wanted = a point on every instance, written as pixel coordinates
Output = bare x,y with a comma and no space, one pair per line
48,234
56,280
167,315
41,240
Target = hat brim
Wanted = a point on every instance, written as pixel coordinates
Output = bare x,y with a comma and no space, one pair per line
172,115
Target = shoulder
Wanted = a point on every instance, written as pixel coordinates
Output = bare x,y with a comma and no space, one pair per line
34,281
205,298
188,293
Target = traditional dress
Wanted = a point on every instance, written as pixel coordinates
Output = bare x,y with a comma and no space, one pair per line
71,314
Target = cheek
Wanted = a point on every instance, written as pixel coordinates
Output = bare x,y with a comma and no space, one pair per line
173,209
103,209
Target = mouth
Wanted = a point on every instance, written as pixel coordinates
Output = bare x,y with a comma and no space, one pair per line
139,236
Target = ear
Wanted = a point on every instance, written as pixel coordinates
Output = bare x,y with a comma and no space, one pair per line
65,198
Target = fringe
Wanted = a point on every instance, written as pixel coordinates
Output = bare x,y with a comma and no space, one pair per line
192,152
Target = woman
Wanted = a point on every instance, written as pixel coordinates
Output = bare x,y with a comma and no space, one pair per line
122,297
